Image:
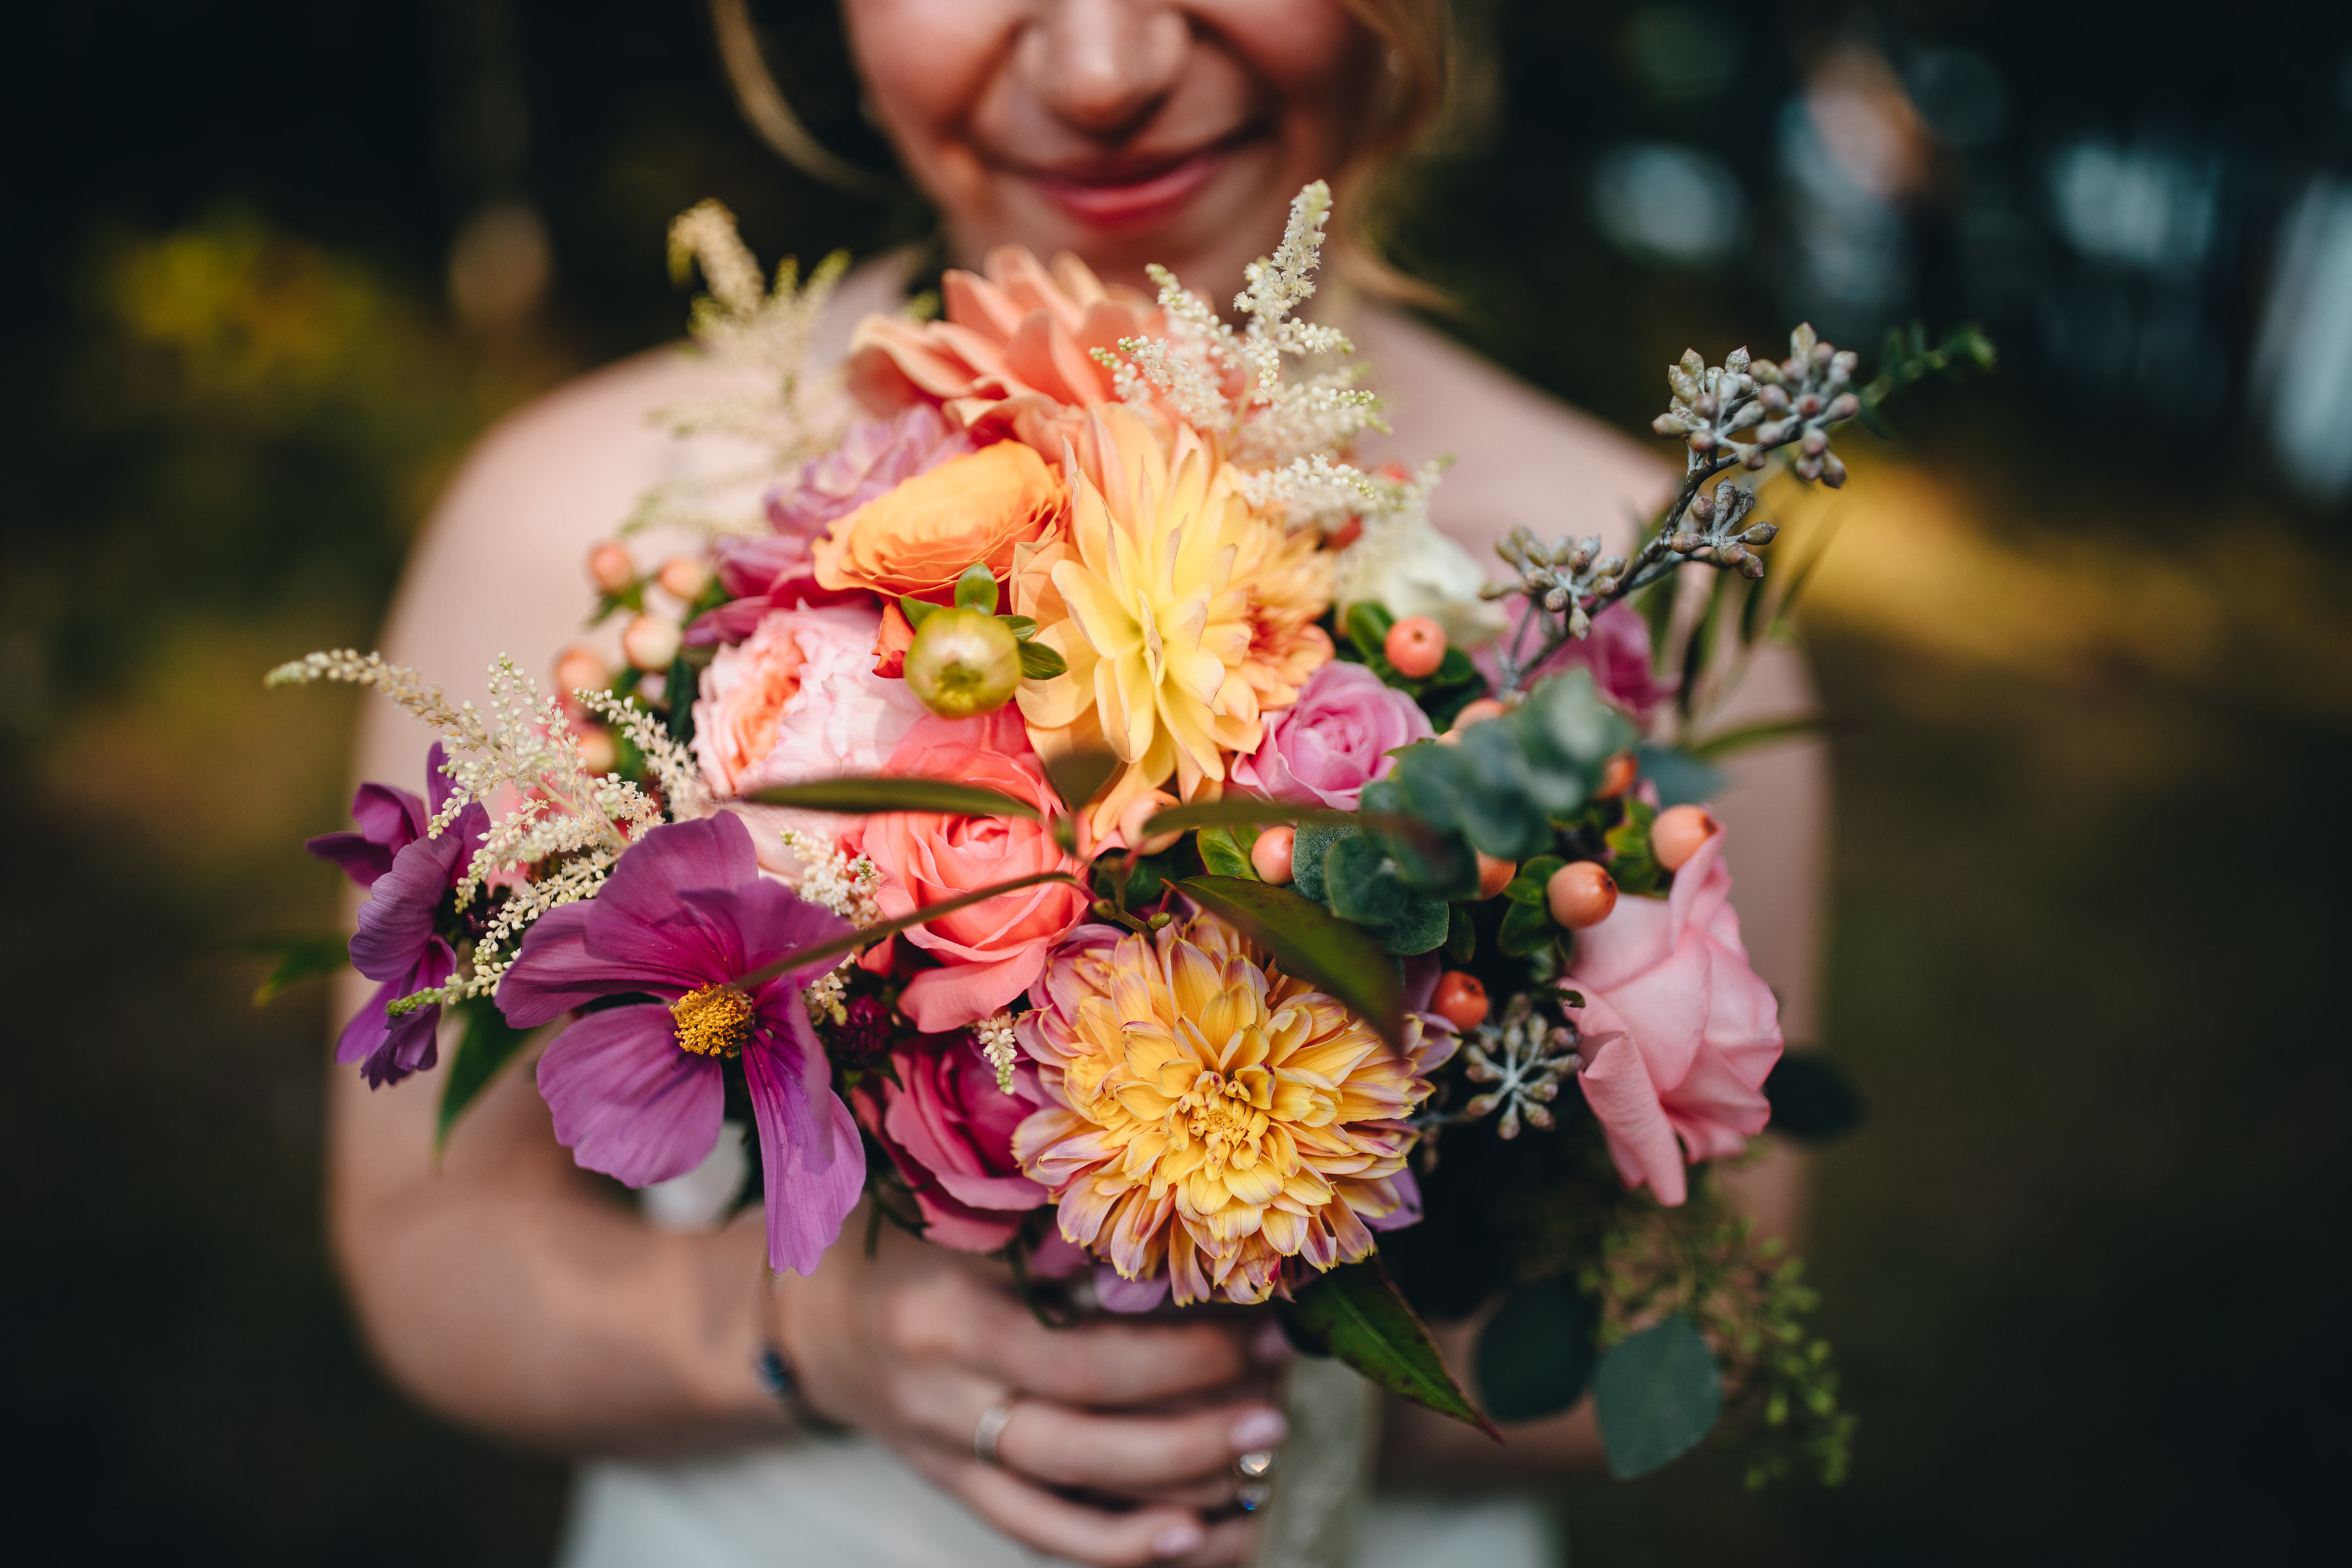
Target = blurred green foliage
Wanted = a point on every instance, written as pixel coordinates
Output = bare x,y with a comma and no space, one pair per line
2083,1269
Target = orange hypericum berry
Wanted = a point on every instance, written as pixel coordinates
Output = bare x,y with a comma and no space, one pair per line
1581,893
1416,645
1495,875
1478,712
1138,812
1460,1000
609,568
1270,856
580,670
684,576
1675,836
598,754
651,642
1617,775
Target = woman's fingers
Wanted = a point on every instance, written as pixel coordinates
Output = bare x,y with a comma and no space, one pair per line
1068,1447
1098,1361
1064,1529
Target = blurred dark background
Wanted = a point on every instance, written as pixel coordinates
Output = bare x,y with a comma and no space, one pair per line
275,264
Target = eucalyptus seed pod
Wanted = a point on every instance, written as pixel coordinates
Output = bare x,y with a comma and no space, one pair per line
1579,625
1702,507
1752,568
1833,470
1763,533
1556,600
1844,406
1814,444
1702,441
1808,467
1809,406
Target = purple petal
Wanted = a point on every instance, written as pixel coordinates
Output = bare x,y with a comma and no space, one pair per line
389,815
812,1161
396,922
360,859
626,1100
411,1044
391,1048
438,787
366,1030
761,922
710,852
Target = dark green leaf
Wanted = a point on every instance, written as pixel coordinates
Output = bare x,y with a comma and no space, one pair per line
1739,738
1221,853
1310,849
802,958
1536,1354
1682,778
1039,662
1634,864
1356,1315
1532,884
1460,933
871,793
1309,942
678,689
1526,929
1657,1393
976,589
1079,775
487,1044
1236,811
1814,1099
294,959
916,611
1364,887
1367,627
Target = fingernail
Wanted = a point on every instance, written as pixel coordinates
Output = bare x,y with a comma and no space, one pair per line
1260,1429
1177,1540
1271,1347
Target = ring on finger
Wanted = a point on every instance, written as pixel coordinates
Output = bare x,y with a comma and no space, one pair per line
1253,1472
988,1431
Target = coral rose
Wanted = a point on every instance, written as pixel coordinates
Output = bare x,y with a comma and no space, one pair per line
798,699
1333,742
991,952
1679,1033
918,538
949,1128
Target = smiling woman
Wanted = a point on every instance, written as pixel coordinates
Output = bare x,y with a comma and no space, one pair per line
926,1417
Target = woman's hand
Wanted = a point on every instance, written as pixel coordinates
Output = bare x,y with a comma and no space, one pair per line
915,1344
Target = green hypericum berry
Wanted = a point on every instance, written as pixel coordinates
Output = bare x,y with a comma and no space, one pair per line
963,662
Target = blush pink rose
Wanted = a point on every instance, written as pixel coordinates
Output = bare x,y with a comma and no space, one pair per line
1679,1033
799,699
1618,654
949,1128
1326,747
990,952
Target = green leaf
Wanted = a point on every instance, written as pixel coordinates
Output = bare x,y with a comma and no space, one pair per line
976,590
802,958
1309,942
1740,738
1682,778
1526,929
1237,811
1461,934
294,959
1310,849
1367,627
1657,1393
1022,626
1362,879
489,1043
678,689
1221,853
916,611
1532,885
1355,1314
1078,776
1634,864
1814,1099
1536,1354
867,795
1039,662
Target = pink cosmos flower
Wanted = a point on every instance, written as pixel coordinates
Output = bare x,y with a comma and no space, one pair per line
1679,1032
799,700
1618,654
1325,748
990,953
949,1128
638,1089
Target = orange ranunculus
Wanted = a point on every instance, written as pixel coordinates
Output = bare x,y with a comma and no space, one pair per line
1014,350
918,537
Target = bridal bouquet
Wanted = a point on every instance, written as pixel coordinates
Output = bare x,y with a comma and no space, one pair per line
1083,815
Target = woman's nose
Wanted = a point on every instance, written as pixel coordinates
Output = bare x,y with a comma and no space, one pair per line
1103,65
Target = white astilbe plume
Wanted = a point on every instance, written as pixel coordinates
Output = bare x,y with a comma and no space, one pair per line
672,765
767,333
832,881
557,842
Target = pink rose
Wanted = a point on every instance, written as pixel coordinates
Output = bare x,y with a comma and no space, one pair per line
990,952
799,699
873,457
1618,654
1679,1033
1326,747
949,1128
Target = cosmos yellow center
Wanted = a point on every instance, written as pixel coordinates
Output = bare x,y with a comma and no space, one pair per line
715,1020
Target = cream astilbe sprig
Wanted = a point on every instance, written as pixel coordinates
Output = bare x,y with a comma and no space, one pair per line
745,325
672,765
834,882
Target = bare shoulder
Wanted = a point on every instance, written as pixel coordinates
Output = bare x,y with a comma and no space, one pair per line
1520,455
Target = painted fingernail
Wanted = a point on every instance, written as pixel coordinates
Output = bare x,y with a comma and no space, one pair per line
1177,1540
1260,1429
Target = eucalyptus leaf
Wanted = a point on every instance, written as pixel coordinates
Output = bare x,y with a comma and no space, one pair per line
1536,1353
867,795
1361,881
1308,851
1657,1393
1682,778
1310,942
1039,662
1354,1313
487,1044
976,590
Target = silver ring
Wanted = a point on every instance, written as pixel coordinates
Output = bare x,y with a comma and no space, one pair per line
989,1430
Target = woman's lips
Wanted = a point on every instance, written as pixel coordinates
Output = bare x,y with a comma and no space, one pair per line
1133,202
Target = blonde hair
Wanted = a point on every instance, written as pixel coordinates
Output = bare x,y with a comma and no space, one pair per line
1417,74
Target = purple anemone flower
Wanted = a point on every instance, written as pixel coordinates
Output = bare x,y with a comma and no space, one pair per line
409,878
638,1089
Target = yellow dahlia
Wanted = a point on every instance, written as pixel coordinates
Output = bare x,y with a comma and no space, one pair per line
1287,575
1139,598
1210,1117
